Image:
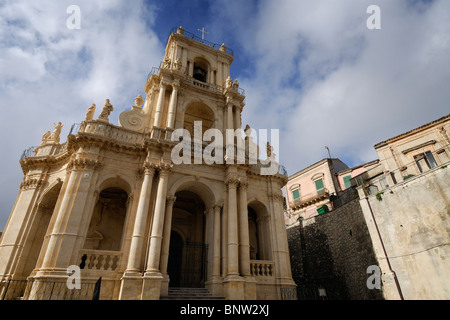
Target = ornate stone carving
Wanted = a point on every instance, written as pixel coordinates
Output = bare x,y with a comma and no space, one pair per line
90,112
232,182
106,111
164,168
30,183
149,168
133,119
83,164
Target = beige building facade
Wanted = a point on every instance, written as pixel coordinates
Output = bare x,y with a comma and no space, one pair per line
112,200
405,202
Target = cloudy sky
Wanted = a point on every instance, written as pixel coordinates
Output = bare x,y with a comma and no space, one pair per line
310,68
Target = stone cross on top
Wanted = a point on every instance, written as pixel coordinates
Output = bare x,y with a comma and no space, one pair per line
202,30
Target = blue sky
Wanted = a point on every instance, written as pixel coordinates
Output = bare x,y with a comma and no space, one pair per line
309,68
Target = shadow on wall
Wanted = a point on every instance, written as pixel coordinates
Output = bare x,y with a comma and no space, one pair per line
332,252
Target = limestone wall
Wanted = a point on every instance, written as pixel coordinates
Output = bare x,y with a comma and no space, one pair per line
413,221
333,251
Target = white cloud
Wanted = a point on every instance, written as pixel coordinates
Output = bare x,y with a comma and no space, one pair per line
326,80
50,73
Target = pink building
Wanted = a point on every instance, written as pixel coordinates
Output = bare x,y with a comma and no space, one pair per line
310,191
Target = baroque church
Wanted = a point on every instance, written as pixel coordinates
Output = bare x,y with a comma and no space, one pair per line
112,201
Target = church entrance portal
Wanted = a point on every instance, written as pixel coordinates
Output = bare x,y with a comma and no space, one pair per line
187,251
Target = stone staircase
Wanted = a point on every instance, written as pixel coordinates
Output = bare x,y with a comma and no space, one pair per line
190,294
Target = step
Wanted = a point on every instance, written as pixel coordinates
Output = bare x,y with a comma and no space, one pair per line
190,294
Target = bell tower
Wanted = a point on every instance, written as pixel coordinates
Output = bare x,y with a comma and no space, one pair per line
192,83
114,199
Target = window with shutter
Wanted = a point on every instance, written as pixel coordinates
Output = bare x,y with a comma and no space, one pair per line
319,186
347,182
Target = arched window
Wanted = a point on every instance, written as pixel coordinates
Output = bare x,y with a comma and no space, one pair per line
107,221
201,70
198,112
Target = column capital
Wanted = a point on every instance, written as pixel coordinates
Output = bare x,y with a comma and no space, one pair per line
232,182
243,184
164,168
218,206
170,200
149,168
164,83
176,84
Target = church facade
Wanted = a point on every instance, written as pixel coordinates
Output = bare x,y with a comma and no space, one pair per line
113,201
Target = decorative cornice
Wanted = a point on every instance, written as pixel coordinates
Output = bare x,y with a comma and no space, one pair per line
30,183
83,164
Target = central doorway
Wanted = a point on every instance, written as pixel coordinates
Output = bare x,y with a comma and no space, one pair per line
187,251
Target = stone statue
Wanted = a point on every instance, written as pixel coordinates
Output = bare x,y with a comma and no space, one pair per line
235,84
177,64
46,137
106,111
138,101
90,112
166,63
269,150
229,82
56,131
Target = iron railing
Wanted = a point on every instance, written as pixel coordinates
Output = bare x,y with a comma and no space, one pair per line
192,36
48,290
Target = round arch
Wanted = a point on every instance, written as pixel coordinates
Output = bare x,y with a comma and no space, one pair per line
259,230
202,187
115,181
198,111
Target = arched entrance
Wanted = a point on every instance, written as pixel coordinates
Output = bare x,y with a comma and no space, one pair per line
175,259
187,251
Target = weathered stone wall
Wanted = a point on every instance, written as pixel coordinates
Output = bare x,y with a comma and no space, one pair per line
413,220
333,251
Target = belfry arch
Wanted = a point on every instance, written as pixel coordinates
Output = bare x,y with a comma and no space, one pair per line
197,111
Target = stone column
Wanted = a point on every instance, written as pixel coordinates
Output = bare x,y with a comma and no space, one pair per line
173,105
137,241
233,240
160,104
237,118
66,227
158,221
166,234
216,242
153,278
244,242
230,124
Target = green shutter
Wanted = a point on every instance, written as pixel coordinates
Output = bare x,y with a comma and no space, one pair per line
347,182
296,194
319,185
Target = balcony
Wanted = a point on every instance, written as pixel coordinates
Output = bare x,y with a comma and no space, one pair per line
310,198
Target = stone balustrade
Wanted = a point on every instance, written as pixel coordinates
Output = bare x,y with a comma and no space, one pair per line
262,268
100,259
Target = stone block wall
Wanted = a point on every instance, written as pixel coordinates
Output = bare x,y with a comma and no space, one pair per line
333,251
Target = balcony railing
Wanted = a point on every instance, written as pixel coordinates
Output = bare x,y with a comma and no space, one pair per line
262,268
310,198
199,39
100,259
